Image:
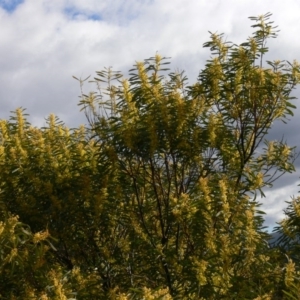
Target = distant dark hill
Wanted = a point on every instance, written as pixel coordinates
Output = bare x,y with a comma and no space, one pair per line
276,237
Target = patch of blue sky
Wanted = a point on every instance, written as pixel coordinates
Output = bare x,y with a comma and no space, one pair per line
10,5
74,14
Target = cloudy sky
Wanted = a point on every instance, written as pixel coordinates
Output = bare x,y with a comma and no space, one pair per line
43,43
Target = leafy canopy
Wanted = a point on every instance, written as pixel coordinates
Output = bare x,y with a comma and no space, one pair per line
156,199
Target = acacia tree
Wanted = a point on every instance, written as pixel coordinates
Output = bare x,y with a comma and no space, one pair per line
45,181
157,199
186,162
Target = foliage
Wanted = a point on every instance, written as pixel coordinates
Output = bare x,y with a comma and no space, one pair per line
157,198
289,243
26,272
